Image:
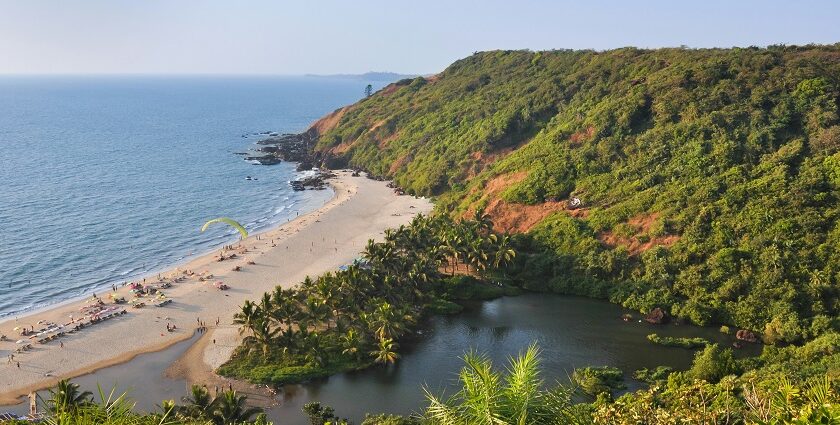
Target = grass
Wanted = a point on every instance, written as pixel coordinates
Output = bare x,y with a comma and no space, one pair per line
680,342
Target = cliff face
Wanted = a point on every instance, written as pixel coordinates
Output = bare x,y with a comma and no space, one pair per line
710,176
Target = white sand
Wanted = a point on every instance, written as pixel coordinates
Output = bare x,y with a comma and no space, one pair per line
312,244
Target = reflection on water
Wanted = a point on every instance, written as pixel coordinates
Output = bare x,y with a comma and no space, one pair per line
571,332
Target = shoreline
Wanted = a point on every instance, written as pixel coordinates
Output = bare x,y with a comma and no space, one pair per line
152,274
350,217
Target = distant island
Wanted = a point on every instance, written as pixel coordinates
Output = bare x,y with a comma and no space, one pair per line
367,76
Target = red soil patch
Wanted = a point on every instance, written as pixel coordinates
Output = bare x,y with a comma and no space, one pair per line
641,224
519,218
330,121
500,183
388,90
342,147
376,125
508,217
581,136
396,165
388,139
432,78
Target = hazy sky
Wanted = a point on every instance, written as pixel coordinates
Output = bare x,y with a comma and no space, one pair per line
326,36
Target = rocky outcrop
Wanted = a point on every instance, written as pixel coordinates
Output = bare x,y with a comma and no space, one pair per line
657,316
745,335
285,147
316,182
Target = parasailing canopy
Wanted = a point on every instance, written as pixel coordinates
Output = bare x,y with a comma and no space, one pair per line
229,221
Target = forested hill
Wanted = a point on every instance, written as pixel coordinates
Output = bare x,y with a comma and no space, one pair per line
708,179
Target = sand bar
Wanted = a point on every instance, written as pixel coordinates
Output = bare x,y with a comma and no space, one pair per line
312,244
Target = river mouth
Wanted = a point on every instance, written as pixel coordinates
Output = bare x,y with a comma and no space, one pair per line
571,332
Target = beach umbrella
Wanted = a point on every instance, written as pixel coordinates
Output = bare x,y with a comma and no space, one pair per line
229,221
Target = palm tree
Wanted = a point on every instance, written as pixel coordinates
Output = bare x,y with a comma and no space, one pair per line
483,222
503,252
385,321
352,343
230,408
386,351
492,398
246,317
66,397
262,335
199,403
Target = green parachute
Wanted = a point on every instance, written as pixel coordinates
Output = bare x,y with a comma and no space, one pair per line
233,223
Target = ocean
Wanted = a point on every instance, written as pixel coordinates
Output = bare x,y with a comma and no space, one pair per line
104,179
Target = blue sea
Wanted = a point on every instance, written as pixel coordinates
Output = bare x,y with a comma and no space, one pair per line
105,179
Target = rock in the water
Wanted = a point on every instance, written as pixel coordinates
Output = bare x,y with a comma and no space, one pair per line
316,182
656,316
286,147
745,335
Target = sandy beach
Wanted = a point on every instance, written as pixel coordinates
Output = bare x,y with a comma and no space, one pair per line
311,244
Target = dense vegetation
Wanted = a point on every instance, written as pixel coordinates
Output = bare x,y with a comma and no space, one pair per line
68,405
353,318
681,342
706,394
708,179
790,385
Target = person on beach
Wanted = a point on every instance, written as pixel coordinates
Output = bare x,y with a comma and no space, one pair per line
61,345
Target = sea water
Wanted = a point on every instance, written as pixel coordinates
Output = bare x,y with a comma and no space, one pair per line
104,179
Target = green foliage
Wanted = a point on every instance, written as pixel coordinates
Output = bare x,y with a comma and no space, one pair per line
597,380
389,420
652,376
517,396
226,408
353,318
713,363
769,400
726,158
321,415
441,306
680,342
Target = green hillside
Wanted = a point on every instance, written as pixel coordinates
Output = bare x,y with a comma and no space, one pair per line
708,179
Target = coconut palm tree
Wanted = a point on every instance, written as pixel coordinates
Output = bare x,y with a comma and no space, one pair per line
199,404
66,397
352,343
503,253
489,397
386,351
246,317
482,221
262,336
230,408
386,322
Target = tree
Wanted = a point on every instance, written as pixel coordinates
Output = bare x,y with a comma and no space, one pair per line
319,414
352,343
386,351
66,397
503,252
199,403
713,363
229,408
488,397
368,90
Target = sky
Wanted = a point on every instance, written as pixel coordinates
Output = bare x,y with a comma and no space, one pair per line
289,37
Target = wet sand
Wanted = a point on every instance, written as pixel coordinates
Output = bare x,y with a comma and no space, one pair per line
312,244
